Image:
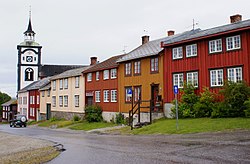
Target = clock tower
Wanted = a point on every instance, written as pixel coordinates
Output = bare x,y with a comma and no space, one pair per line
29,59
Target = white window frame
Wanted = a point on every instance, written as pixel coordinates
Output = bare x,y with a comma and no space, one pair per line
54,85
137,92
105,74
60,101
53,101
77,81
178,80
61,84
234,74
97,76
43,93
105,95
137,67
177,53
154,64
193,78
113,95
38,100
113,73
128,69
191,50
66,84
216,77
77,99
66,100
89,77
215,46
233,42
97,96
48,93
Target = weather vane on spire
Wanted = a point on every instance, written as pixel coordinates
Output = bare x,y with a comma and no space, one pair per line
30,12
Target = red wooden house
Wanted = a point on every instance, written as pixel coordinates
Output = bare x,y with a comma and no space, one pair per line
101,83
206,58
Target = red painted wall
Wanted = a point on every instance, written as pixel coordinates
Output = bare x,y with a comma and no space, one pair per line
101,85
35,105
204,61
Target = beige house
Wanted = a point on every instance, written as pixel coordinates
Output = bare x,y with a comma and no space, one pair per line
67,94
45,102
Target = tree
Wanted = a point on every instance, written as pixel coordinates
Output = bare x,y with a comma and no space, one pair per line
3,98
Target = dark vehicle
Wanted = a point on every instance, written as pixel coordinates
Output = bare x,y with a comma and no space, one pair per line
19,120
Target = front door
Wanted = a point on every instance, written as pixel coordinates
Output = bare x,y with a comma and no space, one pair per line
154,96
89,100
48,113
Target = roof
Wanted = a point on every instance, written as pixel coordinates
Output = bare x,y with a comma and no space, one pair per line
51,70
107,64
70,73
36,85
150,48
46,87
208,32
29,29
10,102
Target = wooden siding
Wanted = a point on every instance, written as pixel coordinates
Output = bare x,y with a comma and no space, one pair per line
101,85
145,79
34,105
205,61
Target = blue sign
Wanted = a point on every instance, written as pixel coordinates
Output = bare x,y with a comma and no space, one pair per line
129,92
176,89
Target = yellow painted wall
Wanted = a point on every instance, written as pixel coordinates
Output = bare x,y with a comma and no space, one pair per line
144,80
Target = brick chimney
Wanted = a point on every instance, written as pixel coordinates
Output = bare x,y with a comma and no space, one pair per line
145,39
170,32
93,60
235,18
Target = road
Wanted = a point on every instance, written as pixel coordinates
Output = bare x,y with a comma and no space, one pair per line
83,147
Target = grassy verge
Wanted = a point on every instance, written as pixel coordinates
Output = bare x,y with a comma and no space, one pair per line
56,123
84,125
168,126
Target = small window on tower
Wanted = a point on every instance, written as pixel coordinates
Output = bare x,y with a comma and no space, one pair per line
23,58
29,74
34,58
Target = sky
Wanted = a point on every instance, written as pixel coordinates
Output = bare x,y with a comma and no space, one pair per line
71,32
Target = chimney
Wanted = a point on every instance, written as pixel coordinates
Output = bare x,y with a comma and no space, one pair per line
93,60
145,39
235,18
170,32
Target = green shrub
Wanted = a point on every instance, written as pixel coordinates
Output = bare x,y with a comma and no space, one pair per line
93,113
220,110
52,119
76,118
247,110
235,94
120,119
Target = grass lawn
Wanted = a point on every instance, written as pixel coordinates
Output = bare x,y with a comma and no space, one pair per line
56,124
168,126
84,125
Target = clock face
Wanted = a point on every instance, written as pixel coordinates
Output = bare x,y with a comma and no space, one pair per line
29,59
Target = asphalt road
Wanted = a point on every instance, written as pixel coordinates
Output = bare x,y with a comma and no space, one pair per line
82,147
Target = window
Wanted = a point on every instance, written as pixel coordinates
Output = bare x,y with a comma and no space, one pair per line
215,46
97,96
43,93
60,101
29,74
137,66
177,53
54,85
77,81
154,65
106,96
38,100
113,73
113,95
127,69
48,94
20,100
137,93
105,74
234,74
76,100
32,112
97,75
65,101
65,83
233,42
216,77
54,101
178,80
31,100
191,50
128,94
61,83
192,78
89,77
25,100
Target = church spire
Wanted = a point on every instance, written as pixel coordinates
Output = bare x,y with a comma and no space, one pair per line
29,34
